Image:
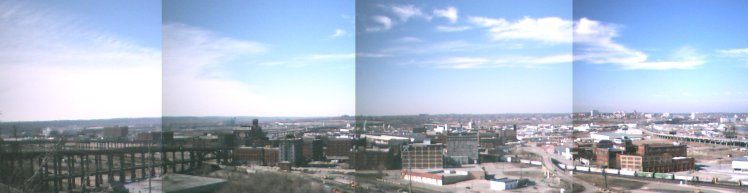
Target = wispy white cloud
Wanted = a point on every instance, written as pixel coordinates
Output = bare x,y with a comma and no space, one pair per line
405,12
547,29
449,13
333,56
384,23
372,55
195,79
54,67
338,33
408,39
443,28
436,47
500,62
738,52
596,45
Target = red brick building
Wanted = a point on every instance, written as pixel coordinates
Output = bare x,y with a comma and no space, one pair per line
256,155
657,158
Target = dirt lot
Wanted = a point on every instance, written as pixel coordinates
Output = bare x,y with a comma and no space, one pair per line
710,153
525,174
615,184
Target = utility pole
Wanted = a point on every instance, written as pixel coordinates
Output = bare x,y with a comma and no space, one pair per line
410,168
605,177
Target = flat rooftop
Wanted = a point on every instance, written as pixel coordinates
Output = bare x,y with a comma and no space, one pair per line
176,183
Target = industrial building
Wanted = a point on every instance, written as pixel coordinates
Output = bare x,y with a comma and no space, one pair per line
617,137
504,184
371,158
338,148
115,132
657,158
435,177
313,149
740,164
607,157
463,147
423,156
265,156
291,151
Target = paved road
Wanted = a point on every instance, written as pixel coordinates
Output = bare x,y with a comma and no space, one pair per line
558,172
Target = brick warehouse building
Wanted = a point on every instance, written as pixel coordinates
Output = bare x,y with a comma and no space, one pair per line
657,158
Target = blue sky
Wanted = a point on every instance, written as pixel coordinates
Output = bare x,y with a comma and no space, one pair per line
660,56
258,58
79,59
463,57
143,58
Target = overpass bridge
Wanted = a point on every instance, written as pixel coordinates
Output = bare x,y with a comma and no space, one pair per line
717,141
56,166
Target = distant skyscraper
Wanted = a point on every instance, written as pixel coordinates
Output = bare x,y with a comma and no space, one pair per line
693,115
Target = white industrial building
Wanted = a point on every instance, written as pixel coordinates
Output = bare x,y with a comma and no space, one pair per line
618,136
436,177
504,184
740,164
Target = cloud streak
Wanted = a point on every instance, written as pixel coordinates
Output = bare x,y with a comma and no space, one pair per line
339,33
443,28
547,29
53,68
405,12
594,44
195,81
450,13
500,62
384,23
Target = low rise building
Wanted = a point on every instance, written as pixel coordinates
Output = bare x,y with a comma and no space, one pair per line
616,137
740,164
463,147
313,149
115,132
338,148
607,157
249,155
265,156
657,157
504,184
435,177
371,158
